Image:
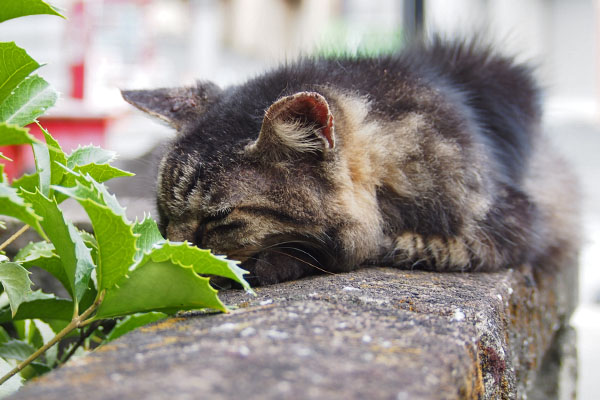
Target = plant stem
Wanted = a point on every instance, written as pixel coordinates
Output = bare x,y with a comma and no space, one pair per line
74,324
14,236
82,337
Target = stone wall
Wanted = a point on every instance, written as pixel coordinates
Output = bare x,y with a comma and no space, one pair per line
375,333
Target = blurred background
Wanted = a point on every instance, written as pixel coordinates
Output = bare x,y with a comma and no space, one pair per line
110,44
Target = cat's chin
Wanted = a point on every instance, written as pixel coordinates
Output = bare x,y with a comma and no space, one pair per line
282,263
273,266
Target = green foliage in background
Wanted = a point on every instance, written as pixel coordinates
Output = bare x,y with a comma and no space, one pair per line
125,269
344,40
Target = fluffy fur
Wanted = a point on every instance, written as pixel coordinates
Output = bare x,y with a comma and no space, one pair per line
432,158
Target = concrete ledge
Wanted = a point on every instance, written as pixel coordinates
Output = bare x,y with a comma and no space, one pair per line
376,333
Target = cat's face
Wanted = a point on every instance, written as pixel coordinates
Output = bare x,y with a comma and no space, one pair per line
266,193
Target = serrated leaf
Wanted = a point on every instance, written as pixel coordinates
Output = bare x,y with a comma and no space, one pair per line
48,308
202,261
99,172
88,155
156,287
12,134
89,239
74,254
132,322
44,309
114,234
16,283
57,157
26,182
35,250
149,235
28,101
11,385
13,205
102,172
155,247
42,255
42,166
21,8
15,66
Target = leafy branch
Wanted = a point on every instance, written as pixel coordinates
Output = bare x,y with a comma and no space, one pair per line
125,270
76,322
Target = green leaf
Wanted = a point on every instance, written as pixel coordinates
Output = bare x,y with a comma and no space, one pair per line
4,336
15,66
16,350
19,350
102,172
184,254
42,255
202,261
21,8
47,308
47,335
99,172
27,182
132,322
44,309
74,254
42,166
149,235
89,155
16,283
57,157
114,234
13,205
28,101
32,251
158,286
10,134
11,385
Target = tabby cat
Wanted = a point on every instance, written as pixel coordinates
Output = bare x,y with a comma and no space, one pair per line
432,158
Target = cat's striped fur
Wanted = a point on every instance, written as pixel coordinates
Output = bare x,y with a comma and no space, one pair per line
432,158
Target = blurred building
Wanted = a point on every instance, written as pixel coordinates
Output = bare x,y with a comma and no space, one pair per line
106,44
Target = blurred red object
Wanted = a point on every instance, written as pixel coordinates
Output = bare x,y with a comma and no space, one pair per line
70,132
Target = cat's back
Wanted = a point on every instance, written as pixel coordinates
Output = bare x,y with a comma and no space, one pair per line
452,81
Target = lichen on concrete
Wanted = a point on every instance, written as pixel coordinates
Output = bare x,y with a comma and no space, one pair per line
376,333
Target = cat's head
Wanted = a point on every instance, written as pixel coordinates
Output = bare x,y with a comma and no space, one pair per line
262,181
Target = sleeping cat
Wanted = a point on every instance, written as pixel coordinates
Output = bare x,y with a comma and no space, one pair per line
432,158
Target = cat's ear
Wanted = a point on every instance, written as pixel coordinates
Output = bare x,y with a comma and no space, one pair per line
301,123
179,107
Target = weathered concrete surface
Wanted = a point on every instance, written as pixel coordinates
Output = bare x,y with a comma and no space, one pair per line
376,333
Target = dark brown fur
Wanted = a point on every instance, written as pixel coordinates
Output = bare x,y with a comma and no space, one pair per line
432,158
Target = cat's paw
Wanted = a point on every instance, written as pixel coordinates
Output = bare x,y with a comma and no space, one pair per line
433,252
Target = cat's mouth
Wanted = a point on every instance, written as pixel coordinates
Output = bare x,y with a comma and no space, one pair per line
287,260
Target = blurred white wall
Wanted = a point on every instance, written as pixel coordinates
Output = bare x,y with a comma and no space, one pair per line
559,37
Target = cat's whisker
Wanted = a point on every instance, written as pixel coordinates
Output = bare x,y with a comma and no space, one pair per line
303,252
304,262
